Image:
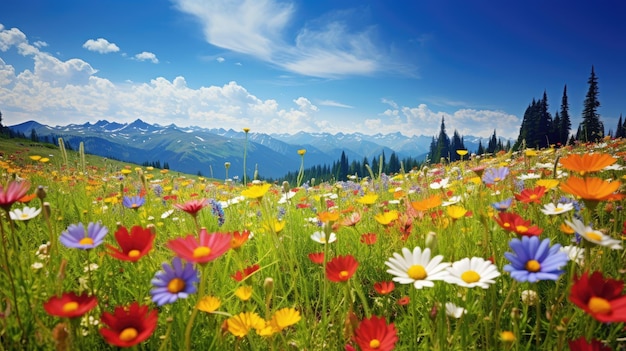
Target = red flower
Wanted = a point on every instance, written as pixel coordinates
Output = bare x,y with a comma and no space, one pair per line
374,334
599,297
133,245
200,250
403,301
581,344
514,223
368,238
245,273
193,206
129,326
317,257
12,193
341,268
384,288
531,196
70,305
239,238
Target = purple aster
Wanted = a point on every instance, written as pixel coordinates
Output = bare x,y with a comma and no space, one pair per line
533,260
75,236
494,175
133,202
174,282
502,205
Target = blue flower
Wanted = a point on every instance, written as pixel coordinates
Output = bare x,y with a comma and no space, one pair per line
533,260
174,282
77,237
502,205
494,175
133,202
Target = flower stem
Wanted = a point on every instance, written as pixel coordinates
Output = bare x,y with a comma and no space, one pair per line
194,313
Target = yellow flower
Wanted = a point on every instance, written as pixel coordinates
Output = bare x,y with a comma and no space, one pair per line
547,183
244,293
530,152
126,171
44,160
386,218
284,318
209,304
507,336
456,212
275,226
301,152
566,229
256,191
164,171
461,152
368,199
246,130
35,157
239,325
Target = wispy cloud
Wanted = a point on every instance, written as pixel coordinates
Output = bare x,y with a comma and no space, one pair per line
146,56
100,45
332,103
323,47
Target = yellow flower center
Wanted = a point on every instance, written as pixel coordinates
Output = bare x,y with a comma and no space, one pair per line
322,239
594,236
176,285
599,305
559,209
128,334
470,277
507,225
134,253
24,215
343,274
201,251
86,241
417,272
134,206
521,228
533,266
70,306
374,343
497,179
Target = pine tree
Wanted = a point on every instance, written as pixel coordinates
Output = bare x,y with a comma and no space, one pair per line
544,126
619,131
441,146
591,128
456,144
481,148
566,123
492,147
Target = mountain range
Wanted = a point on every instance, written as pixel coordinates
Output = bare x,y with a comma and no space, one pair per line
198,150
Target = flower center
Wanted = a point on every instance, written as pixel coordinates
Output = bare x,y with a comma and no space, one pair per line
374,343
507,225
343,274
594,236
497,179
521,228
599,305
533,196
470,277
175,285
134,253
70,306
134,206
201,251
533,266
559,209
128,334
86,241
417,272
24,216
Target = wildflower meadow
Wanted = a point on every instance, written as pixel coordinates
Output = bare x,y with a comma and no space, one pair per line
515,251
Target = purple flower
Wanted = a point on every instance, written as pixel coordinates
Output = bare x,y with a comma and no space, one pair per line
502,205
78,238
533,260
133,202
494,175
174,282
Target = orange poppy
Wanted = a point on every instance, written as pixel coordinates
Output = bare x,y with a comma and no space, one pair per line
592,188
587,162
427,204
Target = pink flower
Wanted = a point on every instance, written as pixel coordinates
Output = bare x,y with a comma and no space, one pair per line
203,249
193,206
12,193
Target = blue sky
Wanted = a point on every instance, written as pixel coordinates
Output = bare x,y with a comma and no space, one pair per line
286,66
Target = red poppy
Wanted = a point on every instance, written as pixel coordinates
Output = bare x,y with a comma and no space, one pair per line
133,245
245,273
239,238
599,297
207,247
384,288
193,206
317,257
375,334
70,305
515,223
403,301
581,344
368,238
341,268
129,326
531,196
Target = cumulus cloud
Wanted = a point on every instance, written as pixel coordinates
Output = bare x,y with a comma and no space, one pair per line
146,56
100,45
325,47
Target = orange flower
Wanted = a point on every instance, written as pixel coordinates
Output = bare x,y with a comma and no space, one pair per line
427,204
591,188
327,216
587,162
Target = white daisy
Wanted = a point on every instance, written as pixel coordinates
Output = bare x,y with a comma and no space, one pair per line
594,236
417,268
575,253
320,237
454,311
552,209
440,184
474,272
24,214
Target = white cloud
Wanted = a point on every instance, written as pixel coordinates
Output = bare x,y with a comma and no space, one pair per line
10,37
220,59
325,47
332,103
146,56
100,45
40,44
